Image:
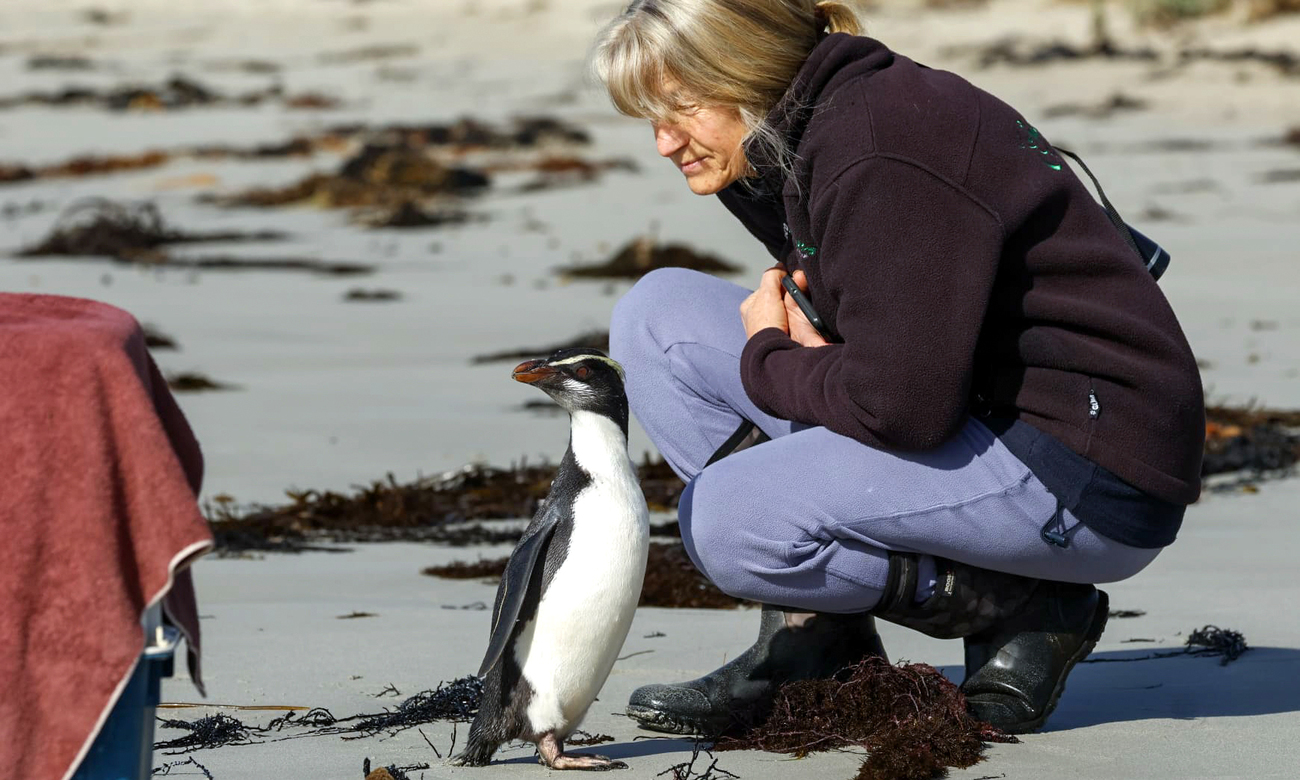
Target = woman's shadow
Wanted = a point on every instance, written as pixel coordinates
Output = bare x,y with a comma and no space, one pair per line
1125,685
1112,687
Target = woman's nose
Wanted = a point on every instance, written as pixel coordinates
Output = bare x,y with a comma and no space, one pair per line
669,138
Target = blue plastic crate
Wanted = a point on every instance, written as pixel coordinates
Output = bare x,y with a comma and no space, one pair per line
124,748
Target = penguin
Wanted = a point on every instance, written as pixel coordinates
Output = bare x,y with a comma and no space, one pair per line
571,586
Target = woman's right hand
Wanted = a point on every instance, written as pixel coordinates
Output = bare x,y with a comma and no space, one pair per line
764,308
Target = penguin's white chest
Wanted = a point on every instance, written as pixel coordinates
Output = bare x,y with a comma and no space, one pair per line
566,652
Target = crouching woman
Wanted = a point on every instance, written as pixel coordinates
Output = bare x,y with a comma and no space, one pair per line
999,412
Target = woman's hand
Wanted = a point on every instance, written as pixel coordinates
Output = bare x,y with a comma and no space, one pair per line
801,330
765,307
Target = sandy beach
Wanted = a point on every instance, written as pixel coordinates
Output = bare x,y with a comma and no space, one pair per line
328,393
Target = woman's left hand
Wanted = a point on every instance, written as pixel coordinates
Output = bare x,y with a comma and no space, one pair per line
765,307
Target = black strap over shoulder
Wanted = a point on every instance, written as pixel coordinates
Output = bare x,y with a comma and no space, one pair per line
1152,255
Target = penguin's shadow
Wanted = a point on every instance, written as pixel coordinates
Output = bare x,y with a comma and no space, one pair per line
1121,688
620,751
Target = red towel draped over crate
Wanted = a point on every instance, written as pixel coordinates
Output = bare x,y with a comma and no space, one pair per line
98,520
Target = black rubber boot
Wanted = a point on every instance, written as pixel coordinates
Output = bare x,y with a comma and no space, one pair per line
740,692
1022,636
966,599
1016,670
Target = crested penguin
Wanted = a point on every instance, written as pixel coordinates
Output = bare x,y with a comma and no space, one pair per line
566,600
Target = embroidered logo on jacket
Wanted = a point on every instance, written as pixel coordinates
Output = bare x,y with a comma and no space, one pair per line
1034,142
805,250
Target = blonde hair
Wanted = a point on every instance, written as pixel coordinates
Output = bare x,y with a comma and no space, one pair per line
740,54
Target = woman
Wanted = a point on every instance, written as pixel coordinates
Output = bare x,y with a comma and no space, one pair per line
1004,411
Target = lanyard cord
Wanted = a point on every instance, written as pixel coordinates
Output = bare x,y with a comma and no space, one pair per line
1111,212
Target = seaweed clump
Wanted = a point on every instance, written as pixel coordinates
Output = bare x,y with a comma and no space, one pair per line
1222,643
137,233
644,255
1225,644
1258,443
209,732
597,339
671,580
911,719
124,231
177,92
457,700
437,509
484,568
387,174
191,382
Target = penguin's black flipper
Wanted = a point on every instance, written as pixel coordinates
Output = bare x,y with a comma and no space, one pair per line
513,590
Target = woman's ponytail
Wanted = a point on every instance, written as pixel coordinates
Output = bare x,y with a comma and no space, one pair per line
837,17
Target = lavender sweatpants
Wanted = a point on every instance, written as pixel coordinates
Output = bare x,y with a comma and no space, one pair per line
805,520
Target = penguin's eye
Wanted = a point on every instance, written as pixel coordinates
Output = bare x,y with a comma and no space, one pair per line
583,372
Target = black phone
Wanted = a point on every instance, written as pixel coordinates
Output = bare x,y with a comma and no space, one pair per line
805,306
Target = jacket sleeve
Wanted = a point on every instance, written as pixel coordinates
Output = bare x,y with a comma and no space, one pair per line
911,258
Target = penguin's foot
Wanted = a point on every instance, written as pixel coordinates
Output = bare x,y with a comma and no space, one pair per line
553,756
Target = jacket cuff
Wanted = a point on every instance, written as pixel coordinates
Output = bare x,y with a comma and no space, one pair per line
753,377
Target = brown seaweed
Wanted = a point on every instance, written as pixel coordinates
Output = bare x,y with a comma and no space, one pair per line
598,339
129,231
436,509
1283,61
458,137
208,732
563,171
408,214
644,255
1254,442
671,580
1208,641
136,233
166,768
379,174
582,738
1015,53
686,770
156,339
192,382
911,719
1279,176
357,294
461,570
59,62
1118,102
177,92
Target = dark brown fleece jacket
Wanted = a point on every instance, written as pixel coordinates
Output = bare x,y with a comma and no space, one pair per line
966,269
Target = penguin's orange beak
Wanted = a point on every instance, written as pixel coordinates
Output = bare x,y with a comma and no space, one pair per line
532,371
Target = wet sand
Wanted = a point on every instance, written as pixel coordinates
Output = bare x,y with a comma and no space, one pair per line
332,393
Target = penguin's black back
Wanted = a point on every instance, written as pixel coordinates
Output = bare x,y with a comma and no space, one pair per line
506,694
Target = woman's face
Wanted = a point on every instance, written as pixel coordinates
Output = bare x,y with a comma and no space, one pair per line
705,145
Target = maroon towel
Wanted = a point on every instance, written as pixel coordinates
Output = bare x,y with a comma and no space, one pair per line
98,520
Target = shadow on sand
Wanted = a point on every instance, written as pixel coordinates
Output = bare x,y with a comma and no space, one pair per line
1264,681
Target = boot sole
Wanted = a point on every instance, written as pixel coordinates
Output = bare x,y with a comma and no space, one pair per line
656,720
1095,630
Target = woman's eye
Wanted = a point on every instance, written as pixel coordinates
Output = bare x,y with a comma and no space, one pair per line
583,372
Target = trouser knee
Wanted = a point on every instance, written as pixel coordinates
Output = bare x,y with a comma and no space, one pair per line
723,548
640,312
